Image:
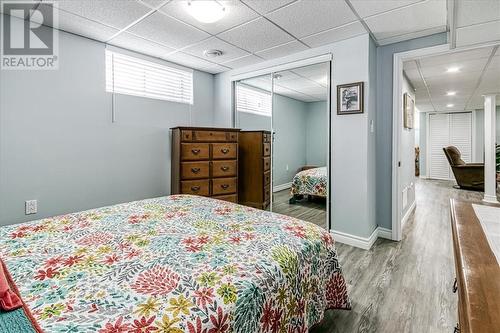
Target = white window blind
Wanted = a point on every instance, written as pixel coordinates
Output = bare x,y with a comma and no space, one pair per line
253,100
133,76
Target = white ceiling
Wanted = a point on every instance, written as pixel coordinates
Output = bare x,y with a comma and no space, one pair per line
307,84
479,73
256,30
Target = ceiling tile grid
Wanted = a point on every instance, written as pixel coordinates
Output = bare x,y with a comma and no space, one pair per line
252,31
477,72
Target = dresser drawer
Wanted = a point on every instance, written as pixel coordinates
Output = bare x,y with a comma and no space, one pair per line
266,149
210,136
223,186
224,168
267,163
187,135
267,193
197,187
195,170
267,177
233,136
231,198
195,151
224,150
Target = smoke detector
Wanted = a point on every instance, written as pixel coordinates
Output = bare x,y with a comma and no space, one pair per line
212,53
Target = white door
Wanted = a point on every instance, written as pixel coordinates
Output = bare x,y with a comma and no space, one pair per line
448,129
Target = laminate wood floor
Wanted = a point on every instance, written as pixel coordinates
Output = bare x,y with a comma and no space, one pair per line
313,211
404,286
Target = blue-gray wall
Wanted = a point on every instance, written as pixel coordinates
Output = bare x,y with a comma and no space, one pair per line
289,147
316,133
59,146
384,120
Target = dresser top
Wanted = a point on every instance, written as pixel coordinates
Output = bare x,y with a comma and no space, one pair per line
478,272
187,128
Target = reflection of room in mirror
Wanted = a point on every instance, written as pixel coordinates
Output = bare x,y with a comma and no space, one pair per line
292,165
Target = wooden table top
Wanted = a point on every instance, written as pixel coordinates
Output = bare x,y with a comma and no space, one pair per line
478,272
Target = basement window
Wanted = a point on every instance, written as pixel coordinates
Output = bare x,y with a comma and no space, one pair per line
253,100
137,77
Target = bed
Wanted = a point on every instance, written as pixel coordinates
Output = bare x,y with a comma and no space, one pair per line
174,264
310,181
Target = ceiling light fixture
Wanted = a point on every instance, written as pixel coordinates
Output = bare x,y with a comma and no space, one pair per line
212,53
450,105
206,11
451,93
453,69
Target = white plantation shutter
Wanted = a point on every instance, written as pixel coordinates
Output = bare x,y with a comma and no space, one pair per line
133,76
439,135
448,129
461,134
253,100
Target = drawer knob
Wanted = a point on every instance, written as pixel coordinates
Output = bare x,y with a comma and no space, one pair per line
224,168
195,188
195,151
195,170
455,286
224,150
224,186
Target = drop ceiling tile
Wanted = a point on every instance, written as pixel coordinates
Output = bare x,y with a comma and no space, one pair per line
81,26
236,14
168,31
188,60
282,50
303,18
473,12
366,8
256,35
479,33
466,67
154,4
114,13
243,61
334,35
141,45
457,57
266,6
425,15
229,51
215,69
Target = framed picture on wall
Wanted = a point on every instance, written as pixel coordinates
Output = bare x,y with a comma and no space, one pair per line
408,110
350,98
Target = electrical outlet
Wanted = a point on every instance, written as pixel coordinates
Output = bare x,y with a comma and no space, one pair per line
31,207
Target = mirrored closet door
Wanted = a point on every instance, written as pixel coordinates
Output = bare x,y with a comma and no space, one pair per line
300,147
284,141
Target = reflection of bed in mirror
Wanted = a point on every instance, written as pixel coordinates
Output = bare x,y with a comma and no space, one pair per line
310,182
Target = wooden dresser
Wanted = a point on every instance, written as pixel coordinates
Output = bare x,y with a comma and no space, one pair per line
255,169
205,162
477,273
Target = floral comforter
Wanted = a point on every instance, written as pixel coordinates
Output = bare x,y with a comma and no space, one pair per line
174,264
311,182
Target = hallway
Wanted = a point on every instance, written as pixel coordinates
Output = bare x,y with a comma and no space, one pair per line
404,286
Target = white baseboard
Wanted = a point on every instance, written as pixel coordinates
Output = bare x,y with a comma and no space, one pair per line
364,243
282,187
384,233
408,213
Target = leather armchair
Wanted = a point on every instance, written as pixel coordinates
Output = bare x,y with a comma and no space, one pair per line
469,176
